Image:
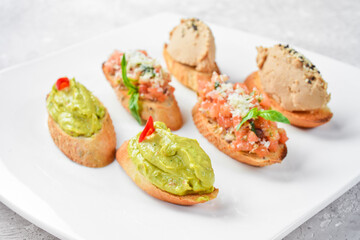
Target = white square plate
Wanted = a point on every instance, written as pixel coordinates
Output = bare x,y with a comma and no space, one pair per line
72,201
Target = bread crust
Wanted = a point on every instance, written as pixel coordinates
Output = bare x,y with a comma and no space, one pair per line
126,163
208,129
185,74
95,151
303,119
167,111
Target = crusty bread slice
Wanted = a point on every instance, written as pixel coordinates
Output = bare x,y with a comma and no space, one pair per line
185,74
124,160
95,151
208,129
167,111
304,119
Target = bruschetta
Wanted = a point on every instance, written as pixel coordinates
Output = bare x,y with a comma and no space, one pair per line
80,125
232,118
168,167
190,54
146,90
291,85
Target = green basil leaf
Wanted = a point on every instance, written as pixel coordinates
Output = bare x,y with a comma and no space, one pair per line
271,115
274,116
253,113
127,81
133,92
134,107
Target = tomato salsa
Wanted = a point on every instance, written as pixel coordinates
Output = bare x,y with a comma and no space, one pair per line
147,73
227,104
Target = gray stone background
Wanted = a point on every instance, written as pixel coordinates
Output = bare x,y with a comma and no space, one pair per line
31,29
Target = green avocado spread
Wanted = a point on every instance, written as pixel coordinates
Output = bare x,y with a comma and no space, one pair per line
175,164
75,110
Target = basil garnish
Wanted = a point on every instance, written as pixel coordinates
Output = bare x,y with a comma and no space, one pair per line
271,115
133,91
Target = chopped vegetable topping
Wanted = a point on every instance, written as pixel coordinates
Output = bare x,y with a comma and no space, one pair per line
148,130
239,116
146,73
62,83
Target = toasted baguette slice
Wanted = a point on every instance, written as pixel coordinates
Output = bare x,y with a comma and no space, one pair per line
208,129
167,111
185,74
95,151
304,119
124,160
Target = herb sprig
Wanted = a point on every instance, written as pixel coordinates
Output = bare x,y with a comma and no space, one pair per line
133,91
271,115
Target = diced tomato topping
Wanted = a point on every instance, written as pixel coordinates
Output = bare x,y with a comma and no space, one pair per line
225,110
236,120
261,151
243,145
214,110
273,145
262,123
241,85
242,133
155,93
62,83
171,89
224,122
143,52
283,136
143,89
260,136
155,88
252,137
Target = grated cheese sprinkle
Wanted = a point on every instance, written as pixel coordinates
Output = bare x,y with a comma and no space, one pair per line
240,103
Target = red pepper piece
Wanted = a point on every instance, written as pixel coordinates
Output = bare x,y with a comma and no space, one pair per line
62,83
148,130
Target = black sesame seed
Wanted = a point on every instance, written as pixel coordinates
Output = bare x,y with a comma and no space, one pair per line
318,72
308,81
286,46
312,78
194,26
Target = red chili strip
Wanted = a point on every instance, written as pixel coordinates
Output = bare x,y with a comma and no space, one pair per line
62,83
148,130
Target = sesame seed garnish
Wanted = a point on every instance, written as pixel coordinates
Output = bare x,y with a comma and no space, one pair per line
306,62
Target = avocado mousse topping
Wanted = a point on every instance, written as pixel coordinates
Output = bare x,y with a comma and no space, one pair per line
74,108
174,164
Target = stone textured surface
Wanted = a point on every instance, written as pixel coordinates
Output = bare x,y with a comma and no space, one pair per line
31,29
